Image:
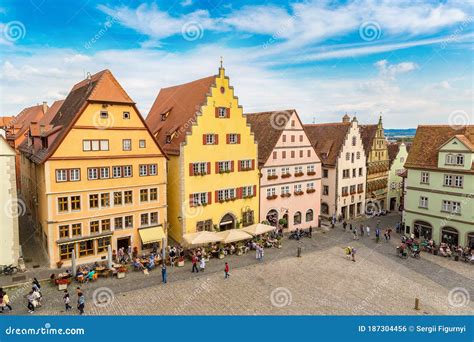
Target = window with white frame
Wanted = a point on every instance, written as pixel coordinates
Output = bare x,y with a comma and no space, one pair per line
246,164
199,168
92,173
247,191
127,171
451,207
285,170
297,188
222,112
310,186
271,192
233,138
61,175
285,189
152,169
210,139
458,181
225,194
298,169
271,172
104,172
126,144
310,168
448,180
143,170
224,166
200,198
75,175
459,159
116,171
425,177
423,202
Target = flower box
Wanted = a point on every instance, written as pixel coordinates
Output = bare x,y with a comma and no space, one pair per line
285,195
310,191
299,193
62,286
120,275
272,177
311,173
181,263
286,175
272,197
299,174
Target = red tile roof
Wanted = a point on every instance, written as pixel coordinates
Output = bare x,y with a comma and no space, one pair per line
180,103
22,121
267,131
328,139
367,134
430,138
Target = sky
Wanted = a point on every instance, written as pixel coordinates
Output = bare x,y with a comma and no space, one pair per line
412,61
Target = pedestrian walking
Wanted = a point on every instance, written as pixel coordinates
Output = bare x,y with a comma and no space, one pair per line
67,301
6,301
385,235
353,254
172,255
31,302
361,230
81,302
262,252
226,271
164,277
194,262
355,234
367,229
389,232
36,295
310,231
350,227
344,225
257,252
377,234
348,252
202,264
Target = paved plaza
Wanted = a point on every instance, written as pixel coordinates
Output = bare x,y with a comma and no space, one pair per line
321,282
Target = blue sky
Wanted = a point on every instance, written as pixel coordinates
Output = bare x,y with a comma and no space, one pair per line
410,60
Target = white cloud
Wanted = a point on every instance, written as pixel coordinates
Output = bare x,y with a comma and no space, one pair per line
43,75
391,70
186,3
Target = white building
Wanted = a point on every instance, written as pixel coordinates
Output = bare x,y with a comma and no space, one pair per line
10,205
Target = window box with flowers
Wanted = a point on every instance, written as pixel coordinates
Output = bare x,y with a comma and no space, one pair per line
181,261
360,191
345,194
203,173
286,175
311,173
299,174
299,193
353,192
272,197
286,195
272,177
310,191
221,201
248,196
246,169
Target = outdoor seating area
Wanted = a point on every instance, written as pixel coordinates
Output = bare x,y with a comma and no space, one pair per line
456,252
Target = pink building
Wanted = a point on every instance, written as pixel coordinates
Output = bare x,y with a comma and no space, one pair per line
290,170
340,148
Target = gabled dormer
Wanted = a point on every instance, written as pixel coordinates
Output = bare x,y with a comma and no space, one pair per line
457,154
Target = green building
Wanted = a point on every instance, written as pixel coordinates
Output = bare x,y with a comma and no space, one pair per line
397,155
439,199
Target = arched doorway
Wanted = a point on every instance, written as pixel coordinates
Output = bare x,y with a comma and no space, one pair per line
309,215
450,235
324,209
470,240
297,218
423,230
272,217
227,222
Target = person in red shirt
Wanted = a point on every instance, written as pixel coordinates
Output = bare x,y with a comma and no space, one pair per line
194,260
226,271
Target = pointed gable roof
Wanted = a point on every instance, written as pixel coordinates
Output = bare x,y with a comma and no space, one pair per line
393,149
367,134
51,112
180,104
24,118
328,139
101,86
267,131
428,141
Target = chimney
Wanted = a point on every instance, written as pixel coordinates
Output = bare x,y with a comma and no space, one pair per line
45,107
346,118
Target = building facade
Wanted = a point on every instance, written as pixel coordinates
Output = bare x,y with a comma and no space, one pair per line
11,206
290,182
213,175
98,176
398,153
340,149
375,147
439,201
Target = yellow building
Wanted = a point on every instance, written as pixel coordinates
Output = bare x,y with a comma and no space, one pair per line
212,176
375,146
98,174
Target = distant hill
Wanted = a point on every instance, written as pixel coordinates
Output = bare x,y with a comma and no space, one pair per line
406,132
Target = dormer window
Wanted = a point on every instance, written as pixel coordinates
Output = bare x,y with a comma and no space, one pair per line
452,159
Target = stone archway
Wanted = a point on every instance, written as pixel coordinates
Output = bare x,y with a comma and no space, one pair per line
423,229
450,235
227,222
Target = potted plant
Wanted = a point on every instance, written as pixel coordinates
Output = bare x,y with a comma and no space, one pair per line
180,261
121,272
62,284
59,263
